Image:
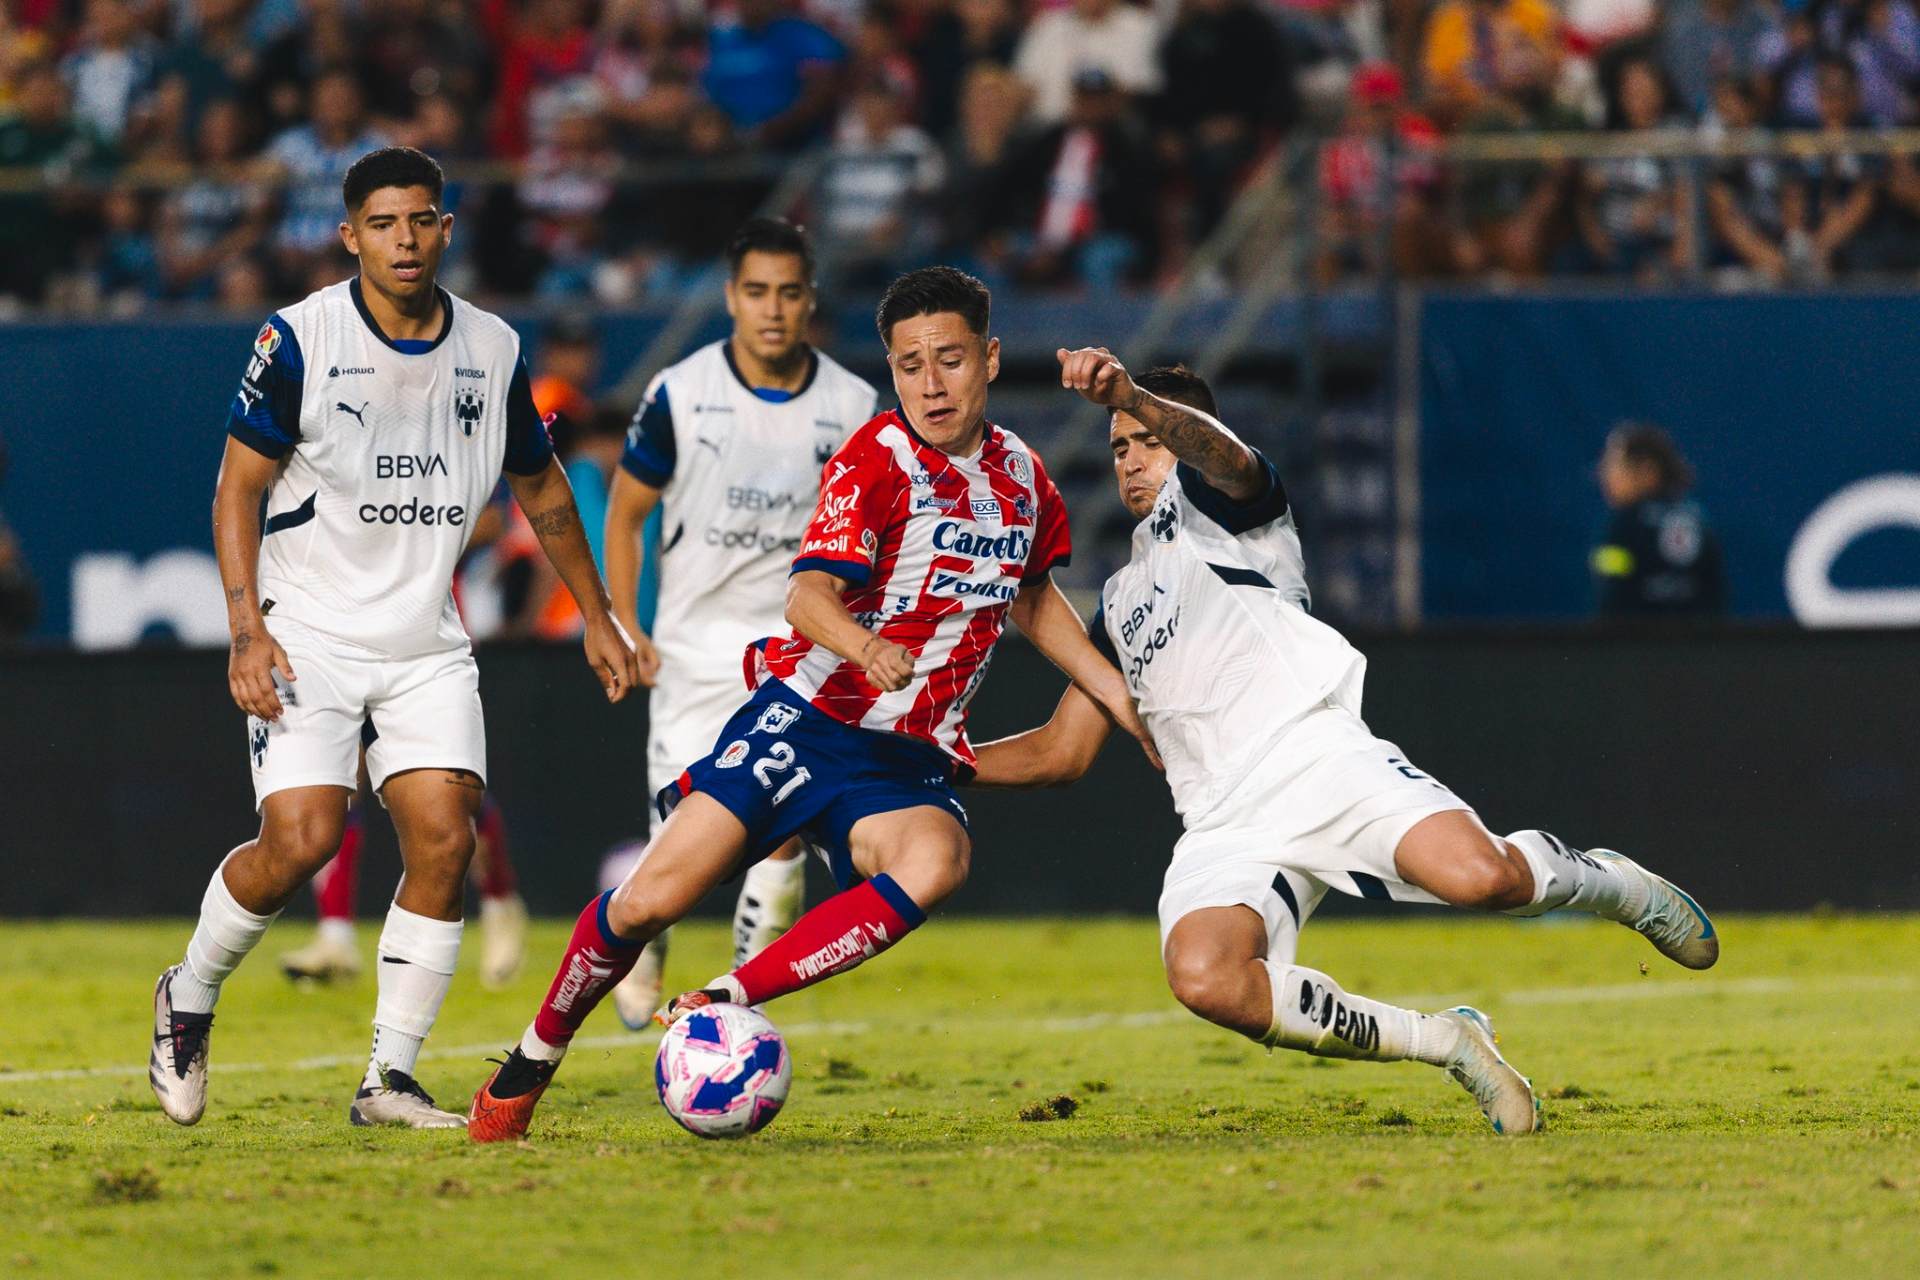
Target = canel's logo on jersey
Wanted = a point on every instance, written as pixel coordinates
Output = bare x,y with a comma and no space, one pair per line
467,408
1012,547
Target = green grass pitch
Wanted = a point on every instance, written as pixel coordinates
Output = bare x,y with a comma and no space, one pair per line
1758,1119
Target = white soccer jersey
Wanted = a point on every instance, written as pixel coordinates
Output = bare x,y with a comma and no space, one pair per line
739,473
388,450
1208,622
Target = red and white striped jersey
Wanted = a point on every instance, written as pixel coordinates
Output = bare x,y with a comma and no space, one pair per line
935,548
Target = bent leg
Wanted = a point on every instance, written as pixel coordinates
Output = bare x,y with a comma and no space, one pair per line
299,830
913,858
1455,858
1215,966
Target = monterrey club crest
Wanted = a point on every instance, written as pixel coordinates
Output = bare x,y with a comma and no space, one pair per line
467,408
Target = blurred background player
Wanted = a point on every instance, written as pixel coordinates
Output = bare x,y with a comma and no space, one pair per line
1661,559
403,406
727,448
1282,788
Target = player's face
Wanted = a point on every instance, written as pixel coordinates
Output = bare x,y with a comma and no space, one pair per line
941,370
771,302
1140,464
399,235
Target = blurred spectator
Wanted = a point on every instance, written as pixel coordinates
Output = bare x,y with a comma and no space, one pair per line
1091,35
1325,42
963,35
1634,213
1481,49
549,46
1379,186
566,190
1222,68
327,36
777,77
1593,26
1077,198
313,159
1833,199
639,63
1705,42
217,217
414,50
128,270
1746,197
1660,558
1880,39
882,172
214,59
111,67
1512,216
38,226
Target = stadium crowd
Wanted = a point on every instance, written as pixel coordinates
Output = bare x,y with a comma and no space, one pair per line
600,148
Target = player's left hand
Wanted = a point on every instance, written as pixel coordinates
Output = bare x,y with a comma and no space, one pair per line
610,654
1097,374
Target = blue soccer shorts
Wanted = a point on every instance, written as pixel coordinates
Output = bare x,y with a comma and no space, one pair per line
786,769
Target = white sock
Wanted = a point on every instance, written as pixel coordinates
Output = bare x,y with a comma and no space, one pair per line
771,899
338,931
1566,877
532,1046
1312,1013
417,957
225,933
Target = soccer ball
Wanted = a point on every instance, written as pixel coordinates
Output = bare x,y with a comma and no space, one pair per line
723,1071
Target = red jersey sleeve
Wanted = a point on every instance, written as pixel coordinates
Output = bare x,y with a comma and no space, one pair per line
858,492
1052,539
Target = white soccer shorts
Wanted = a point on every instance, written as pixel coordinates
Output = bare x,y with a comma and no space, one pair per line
1326,808
409,713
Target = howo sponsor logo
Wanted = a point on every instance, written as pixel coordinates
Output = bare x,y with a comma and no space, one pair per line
412,512
1011,547
408,466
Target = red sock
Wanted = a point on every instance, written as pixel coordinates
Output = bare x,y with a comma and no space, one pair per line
335,883
595,962
832,938
492,869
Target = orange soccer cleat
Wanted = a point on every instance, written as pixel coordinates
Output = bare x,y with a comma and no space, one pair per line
504,1105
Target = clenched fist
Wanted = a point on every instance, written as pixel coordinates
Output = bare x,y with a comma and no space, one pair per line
1097,374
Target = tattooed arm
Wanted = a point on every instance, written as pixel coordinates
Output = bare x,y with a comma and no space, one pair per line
244,478
547,498
1197,439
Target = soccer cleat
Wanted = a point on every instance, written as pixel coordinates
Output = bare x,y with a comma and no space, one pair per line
322,960
637,995
400,1100
177,1066
503,939
1504,1094
504,1105
1668,917
724,991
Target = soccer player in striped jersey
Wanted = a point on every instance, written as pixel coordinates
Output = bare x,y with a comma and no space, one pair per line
1284,790
933,526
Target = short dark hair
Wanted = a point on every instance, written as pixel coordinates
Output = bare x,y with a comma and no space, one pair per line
930,291
1650,445
769,235
1181,385
391,167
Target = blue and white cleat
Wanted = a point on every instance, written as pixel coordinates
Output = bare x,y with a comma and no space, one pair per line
1665,914
1504,1095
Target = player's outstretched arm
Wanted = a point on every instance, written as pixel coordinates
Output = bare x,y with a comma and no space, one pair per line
1058,752
244,478
1045,617
547,498
1198,439
628,507
816,610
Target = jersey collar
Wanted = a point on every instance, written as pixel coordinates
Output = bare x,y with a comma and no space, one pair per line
366,317
989,435
813,370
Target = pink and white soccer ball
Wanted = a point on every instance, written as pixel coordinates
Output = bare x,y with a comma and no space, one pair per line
723,1071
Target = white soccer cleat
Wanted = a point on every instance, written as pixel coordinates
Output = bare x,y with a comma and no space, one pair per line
401,1100
177,1066
760,915
503,940
322,960
637,996
1667,915
1504,1094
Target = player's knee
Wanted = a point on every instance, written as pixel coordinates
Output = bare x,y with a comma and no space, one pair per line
635,914
1204,984
303,838
1489,880
439,847
935,874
